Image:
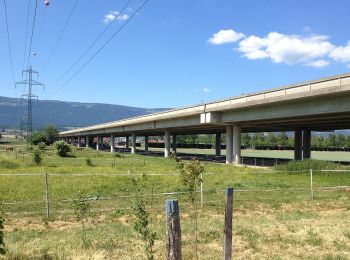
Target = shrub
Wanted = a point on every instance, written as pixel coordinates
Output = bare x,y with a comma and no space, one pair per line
36,138
51,134
305,165
81,208
37,156
89,162
62,148
42,146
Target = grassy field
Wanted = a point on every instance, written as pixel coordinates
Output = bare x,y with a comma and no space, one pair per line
274,215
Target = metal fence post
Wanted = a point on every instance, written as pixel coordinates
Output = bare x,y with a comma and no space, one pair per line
173,230
47,195
311,184
228,224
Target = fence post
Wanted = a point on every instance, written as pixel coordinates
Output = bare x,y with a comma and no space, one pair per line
173,230
228,224
311,185
47,195
202,184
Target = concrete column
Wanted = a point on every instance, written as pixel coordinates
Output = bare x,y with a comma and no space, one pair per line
72,140
229,143
87,142
146,143
236,144
98,143
79,141
133,143
112,143
298,141
306,144
174,144
127,142
218,144
167,144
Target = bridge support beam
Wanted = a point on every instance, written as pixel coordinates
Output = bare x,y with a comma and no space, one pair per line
167,144
146,143
79,140
218,144
174,144
87,141
98,143
298,144
306,144
236,145
133,143
112,143
229,143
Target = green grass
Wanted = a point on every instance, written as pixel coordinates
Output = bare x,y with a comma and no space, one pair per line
276,219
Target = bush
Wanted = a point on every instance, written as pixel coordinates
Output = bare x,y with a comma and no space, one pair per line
89,162
36,138
305,165
62,148
51,134
42,146
37,156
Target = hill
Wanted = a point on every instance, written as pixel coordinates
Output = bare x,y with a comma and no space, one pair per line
64,114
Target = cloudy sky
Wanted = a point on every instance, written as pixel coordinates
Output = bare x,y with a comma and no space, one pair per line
171,53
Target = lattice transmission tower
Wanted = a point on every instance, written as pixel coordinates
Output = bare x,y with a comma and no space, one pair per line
30,82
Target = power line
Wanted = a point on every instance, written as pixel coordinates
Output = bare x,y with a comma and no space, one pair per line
60,36
103,46
94,42
9,43
31,37
26,39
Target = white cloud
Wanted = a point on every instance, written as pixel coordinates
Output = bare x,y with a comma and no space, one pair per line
115,15
318,64
225,36
289,49
206,90
341,53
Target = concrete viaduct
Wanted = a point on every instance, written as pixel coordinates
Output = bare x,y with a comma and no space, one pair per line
317,105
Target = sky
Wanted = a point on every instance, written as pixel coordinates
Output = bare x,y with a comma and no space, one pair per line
172,53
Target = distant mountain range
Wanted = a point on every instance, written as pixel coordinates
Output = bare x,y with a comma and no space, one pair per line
64,114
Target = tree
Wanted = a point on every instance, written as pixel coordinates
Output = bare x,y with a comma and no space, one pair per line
246,139
331,140
258,139
51,134
271,140
282,139
37,156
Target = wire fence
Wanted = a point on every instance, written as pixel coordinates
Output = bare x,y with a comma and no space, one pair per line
51,193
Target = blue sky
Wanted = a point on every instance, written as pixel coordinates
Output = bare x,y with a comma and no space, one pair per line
177,52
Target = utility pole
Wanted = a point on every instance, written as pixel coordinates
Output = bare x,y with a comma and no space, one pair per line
30,82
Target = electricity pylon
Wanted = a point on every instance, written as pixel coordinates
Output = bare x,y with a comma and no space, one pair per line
30,82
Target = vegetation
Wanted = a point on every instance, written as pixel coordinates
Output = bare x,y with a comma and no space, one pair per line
37,157
274,215
36,138
81,209
62,148
51,134
42,146
2,222
306,165
142,223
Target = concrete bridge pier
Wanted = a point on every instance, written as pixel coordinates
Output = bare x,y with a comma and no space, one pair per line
112,143
229,143
133,143
306,144
167,144
218,144
236,145
146,143
87,142
98,143
127,142
174,144
298,144
79,140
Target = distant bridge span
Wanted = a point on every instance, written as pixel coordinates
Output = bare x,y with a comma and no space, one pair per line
317,105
